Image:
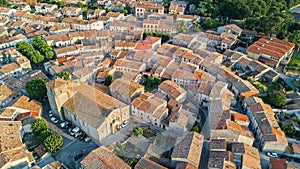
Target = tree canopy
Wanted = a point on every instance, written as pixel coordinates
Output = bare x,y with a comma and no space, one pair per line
64,75
108,80
42,46
36,88
138,131
196,128
39,125
43,135
289,130
241,9
27,50
53,143
152,83
182,27
277,99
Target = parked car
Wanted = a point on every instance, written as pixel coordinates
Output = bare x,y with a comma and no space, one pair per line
125,123
74,131
50,113
273,155
83,136
87,139
67,126
54,120
79,133
63,124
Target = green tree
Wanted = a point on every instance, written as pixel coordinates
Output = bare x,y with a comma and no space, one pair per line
40,45
39,125
289,130
61,4
152,83
182,27
64,75
196,128
277,99
3,2
27,50
43,135
79,4
108,80
138,131
133,162
124,11
208,23
36,88
53,143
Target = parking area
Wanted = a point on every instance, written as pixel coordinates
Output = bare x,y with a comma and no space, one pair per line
71,154
73,149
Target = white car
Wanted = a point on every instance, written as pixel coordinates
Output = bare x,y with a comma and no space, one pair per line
125,123
273,155
50,113
63,124
74,131
54,120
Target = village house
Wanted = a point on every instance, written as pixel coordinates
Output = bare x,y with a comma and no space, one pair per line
12,69
7,42
264,126
183,40
245,156
7,12
123,45
84,75
172,90
66,51
71,11
115,16
232,28
8,94
271,51
176,9
58,40
13,153
150,43
147,163
124,90
160,26
102,157
125,26
83,25
150,108
142,10
189,19
188,149
129,65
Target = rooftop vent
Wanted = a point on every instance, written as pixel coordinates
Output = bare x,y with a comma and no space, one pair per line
262,45
267,42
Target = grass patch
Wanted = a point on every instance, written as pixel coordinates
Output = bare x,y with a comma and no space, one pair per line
294,64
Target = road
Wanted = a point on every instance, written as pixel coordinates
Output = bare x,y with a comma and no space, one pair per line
204,155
